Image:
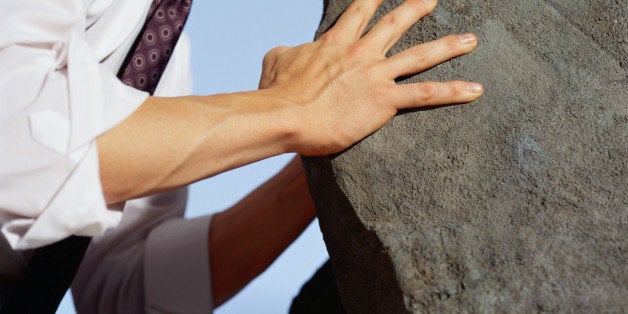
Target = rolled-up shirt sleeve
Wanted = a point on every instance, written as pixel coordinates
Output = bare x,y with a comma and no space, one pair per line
56,98
176,267
154,262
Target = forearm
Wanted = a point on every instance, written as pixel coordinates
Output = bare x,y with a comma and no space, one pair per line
246,239
317,99
171,142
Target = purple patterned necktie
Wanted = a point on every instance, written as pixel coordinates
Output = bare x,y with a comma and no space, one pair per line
51,269
151,51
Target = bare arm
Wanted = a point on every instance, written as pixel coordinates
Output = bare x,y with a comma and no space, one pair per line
171,142
246,238
319,98
314,99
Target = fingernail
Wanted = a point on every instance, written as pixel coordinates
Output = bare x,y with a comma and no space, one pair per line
467,38
428,1
474,87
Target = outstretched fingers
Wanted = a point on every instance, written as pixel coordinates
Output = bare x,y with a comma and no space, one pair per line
424,94
425,56
352,23
387,31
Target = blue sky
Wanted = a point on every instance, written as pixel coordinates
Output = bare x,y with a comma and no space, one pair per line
229,40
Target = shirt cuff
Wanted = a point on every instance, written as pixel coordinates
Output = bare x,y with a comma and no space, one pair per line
78,208
176,269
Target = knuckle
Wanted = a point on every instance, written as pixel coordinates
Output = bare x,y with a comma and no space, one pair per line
268,57
430,7
451,89
281,49
357,50
389,20
381,94
419,55
459,88
281,77
453,43
356,8
416,4
330,36
421,6
371,71
274,53
427,91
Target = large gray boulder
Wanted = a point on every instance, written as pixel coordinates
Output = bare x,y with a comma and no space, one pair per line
515,203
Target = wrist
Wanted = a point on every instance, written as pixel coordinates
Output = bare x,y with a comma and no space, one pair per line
287,117
271,122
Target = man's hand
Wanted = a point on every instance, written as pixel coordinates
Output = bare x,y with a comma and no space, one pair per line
342,87
316,99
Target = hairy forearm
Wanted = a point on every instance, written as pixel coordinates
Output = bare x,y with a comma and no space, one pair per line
246,239
171,142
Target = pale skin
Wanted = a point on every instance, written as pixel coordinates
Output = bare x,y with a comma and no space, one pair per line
315,99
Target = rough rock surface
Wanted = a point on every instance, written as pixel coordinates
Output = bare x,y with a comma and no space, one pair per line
516,203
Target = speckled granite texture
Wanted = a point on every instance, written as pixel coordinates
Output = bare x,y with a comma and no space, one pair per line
515,203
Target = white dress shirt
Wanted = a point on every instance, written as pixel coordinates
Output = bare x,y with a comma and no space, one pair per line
58,92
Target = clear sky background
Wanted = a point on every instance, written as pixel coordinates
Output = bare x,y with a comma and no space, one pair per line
229,40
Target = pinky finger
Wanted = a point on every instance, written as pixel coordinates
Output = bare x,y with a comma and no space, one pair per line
424,94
